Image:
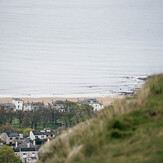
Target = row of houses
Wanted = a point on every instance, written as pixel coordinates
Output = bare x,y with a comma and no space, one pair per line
18,104
11,138
27,149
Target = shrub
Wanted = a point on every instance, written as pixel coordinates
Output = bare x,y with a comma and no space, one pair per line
119,134
39,141
120,125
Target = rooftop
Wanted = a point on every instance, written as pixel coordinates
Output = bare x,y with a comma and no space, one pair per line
17,99
25,146
58,102
43,132
7,105
12,134
89,101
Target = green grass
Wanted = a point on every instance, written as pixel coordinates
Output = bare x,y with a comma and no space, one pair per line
130,131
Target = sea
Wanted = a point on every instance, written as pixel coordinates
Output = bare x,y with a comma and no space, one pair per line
78,48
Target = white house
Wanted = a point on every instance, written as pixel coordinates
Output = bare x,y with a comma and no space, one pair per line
18,103
42,134
93,102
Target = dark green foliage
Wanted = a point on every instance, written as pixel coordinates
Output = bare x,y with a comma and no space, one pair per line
39,141
119,134
7,155
117,124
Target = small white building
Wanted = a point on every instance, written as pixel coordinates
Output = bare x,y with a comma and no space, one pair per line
42,134
92,102
18,103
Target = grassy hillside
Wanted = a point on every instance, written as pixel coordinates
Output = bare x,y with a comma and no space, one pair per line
130,131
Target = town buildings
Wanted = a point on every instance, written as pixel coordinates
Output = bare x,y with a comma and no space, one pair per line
92,102
7,106
18,103
27,151
11,138
32,106
59,105
42,134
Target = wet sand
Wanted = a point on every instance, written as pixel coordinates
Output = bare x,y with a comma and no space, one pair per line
105,100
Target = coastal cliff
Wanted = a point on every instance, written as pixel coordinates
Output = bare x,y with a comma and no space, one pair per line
129,131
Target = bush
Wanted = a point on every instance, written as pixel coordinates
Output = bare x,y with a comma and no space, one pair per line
119,134
39,141
120,125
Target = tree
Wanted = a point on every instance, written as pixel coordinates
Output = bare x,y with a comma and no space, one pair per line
67,118
27,131
76,113
20,116
3,118
36,118
6,128
7,155
10,115
44,116
26,120
52,113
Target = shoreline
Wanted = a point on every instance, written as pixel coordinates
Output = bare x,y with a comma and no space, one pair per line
104,100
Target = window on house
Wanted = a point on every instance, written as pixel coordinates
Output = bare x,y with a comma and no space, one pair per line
42,136
46,135
10,138
24,154
36,137
51,135
18,106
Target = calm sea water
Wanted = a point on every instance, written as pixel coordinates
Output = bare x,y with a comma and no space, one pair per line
78,47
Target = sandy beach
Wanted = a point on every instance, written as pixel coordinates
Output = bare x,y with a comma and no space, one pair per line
105,100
